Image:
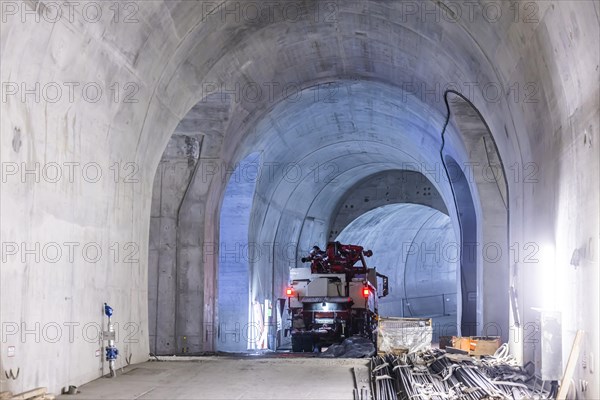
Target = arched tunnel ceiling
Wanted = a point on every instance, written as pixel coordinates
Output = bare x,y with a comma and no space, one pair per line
314,149
365,128
365,41
381,189
330,146
368,50
413,245
368,124
178,49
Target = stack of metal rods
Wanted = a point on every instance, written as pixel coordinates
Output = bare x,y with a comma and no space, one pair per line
415,381
431,375
382,381
510,377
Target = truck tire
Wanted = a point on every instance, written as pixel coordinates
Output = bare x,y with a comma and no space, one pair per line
296,344
302,343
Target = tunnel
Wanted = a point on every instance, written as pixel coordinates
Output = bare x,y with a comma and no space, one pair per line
415,247
174,161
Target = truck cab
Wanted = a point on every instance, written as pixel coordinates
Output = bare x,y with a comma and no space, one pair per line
335,298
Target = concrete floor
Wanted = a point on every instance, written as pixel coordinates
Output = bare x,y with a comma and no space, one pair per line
228,378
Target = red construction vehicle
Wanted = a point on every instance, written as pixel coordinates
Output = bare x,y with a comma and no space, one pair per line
335,298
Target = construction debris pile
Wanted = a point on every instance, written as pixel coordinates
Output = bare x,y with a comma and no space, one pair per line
434,374
353,347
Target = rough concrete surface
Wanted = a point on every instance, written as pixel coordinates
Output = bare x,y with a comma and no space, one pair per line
228,379
357,89
414,246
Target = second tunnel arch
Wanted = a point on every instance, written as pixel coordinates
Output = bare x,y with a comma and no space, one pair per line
481,201
382,188
416,248
365,150
473,145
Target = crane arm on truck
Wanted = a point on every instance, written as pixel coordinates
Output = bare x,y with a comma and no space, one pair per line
335,298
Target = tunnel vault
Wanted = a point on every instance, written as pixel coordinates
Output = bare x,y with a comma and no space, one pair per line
306,173
356,91
416,248
480,196
386,187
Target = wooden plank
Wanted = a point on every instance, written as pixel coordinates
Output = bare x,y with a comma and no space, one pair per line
461,343
568,375
475,345
484,347
5,395
30,393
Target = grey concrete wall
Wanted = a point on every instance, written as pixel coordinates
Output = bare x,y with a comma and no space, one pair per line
415,247
105,207
177,246
387,187
469,301
235,253
171,182
491,256
175,48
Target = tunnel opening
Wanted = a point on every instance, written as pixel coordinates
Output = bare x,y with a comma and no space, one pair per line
301,210
306,181
415,246
234,253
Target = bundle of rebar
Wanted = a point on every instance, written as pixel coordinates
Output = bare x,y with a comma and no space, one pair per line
435,375
381,379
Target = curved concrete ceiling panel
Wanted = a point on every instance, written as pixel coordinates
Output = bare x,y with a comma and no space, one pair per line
415,246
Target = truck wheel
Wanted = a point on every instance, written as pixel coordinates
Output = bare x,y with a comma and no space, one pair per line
296,344
302,343
309,344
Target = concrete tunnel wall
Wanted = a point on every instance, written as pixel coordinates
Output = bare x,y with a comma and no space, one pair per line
293,212
172,179
234,257
176,48
381,189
